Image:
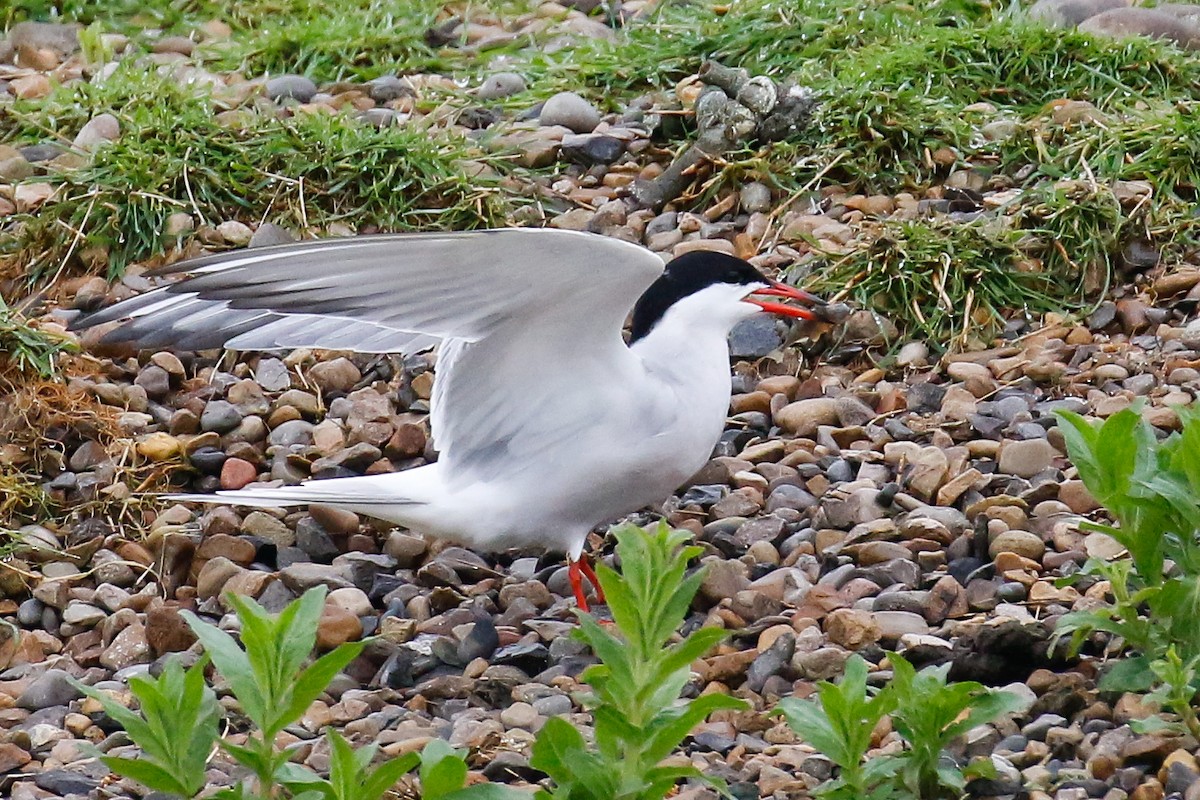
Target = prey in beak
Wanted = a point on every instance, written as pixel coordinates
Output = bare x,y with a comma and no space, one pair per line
777,289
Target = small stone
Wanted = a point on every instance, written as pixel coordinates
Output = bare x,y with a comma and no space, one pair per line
1069,13
852,628
1122,23
293,87
1023,543
755,197
335,377
220,416
336,627
236,473
591,149
235,233
501,85
570,111
129,647
1026,458
265,526
51,688
268,234
100,129
803,417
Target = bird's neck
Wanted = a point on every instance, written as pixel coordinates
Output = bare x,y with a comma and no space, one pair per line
689,353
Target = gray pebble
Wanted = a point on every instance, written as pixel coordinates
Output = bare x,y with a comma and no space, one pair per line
500,85
52,688
294,87
571,111
220,416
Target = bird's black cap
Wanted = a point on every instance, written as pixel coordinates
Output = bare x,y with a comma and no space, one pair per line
685,276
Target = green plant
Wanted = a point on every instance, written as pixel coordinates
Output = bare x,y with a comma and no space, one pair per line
640,719
928,713
178,702
177,726
269,677
24,347
839,722
443,774
1152,490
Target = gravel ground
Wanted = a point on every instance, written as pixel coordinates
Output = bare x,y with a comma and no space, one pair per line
855,502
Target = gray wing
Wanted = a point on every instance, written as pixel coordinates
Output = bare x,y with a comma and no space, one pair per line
508,299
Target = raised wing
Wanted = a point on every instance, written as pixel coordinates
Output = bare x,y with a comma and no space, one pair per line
507,298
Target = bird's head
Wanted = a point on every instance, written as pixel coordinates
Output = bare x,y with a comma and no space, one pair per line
718,288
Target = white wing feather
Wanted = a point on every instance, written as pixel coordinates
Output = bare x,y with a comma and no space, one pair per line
527,316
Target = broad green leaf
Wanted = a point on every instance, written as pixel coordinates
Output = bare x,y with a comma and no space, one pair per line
231,661
443,770
385,775
556,748
149,774
1127,675
313,680
670,727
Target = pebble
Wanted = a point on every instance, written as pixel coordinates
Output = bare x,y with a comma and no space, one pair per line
500,85
570,111
293,87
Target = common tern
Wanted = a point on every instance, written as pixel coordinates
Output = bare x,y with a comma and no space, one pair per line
547,422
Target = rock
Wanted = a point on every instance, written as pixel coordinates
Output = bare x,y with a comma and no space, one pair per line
591,149
803,417
12,758
220,416
236,473
129,647
235,233
755,337
1069,13
51,688
1026,458
1023,543
755,197
501,85
852,628
181,45
570,111
264,526
62,38
335,377
100,129
337,626
166,630
293,87
1121,23
269,234
894,624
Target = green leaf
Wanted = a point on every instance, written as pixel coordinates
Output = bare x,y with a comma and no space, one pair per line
314,680
385,775
147,773
443,770
487,791
1127,675
667,730
231,661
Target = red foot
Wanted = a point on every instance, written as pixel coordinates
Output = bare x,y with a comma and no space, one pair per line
586,563
575,573
577,570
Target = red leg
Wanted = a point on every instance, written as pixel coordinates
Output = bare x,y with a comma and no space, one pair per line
586,564
575,573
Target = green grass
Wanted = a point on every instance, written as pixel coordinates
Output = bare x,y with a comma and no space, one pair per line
895,81
176,155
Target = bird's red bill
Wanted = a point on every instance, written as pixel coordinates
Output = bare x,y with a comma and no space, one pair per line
778,289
